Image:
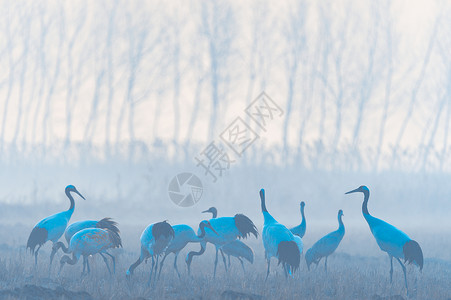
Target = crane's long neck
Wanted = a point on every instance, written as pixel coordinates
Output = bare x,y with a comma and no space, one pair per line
266,215
365,202
214,214
202,231
71,199
303,216
341,226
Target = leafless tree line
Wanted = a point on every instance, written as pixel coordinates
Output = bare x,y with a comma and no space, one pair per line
123,77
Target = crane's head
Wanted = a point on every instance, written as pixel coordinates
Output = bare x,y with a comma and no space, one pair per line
212,210
207,224
361,189
71,188
340,213
302,204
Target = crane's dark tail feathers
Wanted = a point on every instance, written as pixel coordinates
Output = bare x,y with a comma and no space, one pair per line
109,225
162,228
38,236
289,255
413,253
245,226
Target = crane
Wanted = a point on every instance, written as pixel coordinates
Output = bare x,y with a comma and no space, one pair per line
239,250
91,241
300,229
390,239
236,248
105,223
279,242
154,241
326,245
183,234
228,229
52,227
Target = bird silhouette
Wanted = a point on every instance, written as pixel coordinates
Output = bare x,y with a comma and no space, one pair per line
154,241
91,241
227,230
390,239
279,242
52,227
72,229
300,229
183,234
236,248
326,245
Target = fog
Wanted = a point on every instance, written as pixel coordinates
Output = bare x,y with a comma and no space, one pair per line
117,98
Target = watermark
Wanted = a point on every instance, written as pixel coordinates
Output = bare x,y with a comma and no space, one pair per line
185,189
238,137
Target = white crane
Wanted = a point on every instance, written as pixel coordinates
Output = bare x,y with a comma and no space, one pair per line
154,241
52,227
300,229
227,230
184,234
72,229
390,239
279,242
236,248
326,245
91,241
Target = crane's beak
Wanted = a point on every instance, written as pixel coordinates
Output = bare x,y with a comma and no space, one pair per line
205,211
353,191
212,229
78,193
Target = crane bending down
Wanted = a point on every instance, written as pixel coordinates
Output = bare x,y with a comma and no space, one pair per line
279,242
183,234
236,248
326,245
239,250
300,229
390,239
52,227
154,241
91,241
72,229
228,229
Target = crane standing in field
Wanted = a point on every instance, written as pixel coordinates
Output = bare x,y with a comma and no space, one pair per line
183,234
154,241
72,229
236,248
52,227
228,229
279,242
326,245
390,239
300,229
91,241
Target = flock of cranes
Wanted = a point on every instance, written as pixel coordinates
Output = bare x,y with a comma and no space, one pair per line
90,237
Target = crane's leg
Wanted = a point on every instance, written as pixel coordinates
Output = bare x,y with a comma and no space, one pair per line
84,266
114,261
268,261
242,264
151,271
87,264
36,256
162,262
55,248
216,262
405,275
223,259
156,269
325,264
106,262
229,260
391,268
175,264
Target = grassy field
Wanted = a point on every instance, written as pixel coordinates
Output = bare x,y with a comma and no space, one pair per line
350,276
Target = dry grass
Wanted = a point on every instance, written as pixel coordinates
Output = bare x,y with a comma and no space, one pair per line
349,277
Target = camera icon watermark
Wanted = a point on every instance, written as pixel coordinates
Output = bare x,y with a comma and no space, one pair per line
185,189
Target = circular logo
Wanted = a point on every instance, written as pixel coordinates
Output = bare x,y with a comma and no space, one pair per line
185,189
